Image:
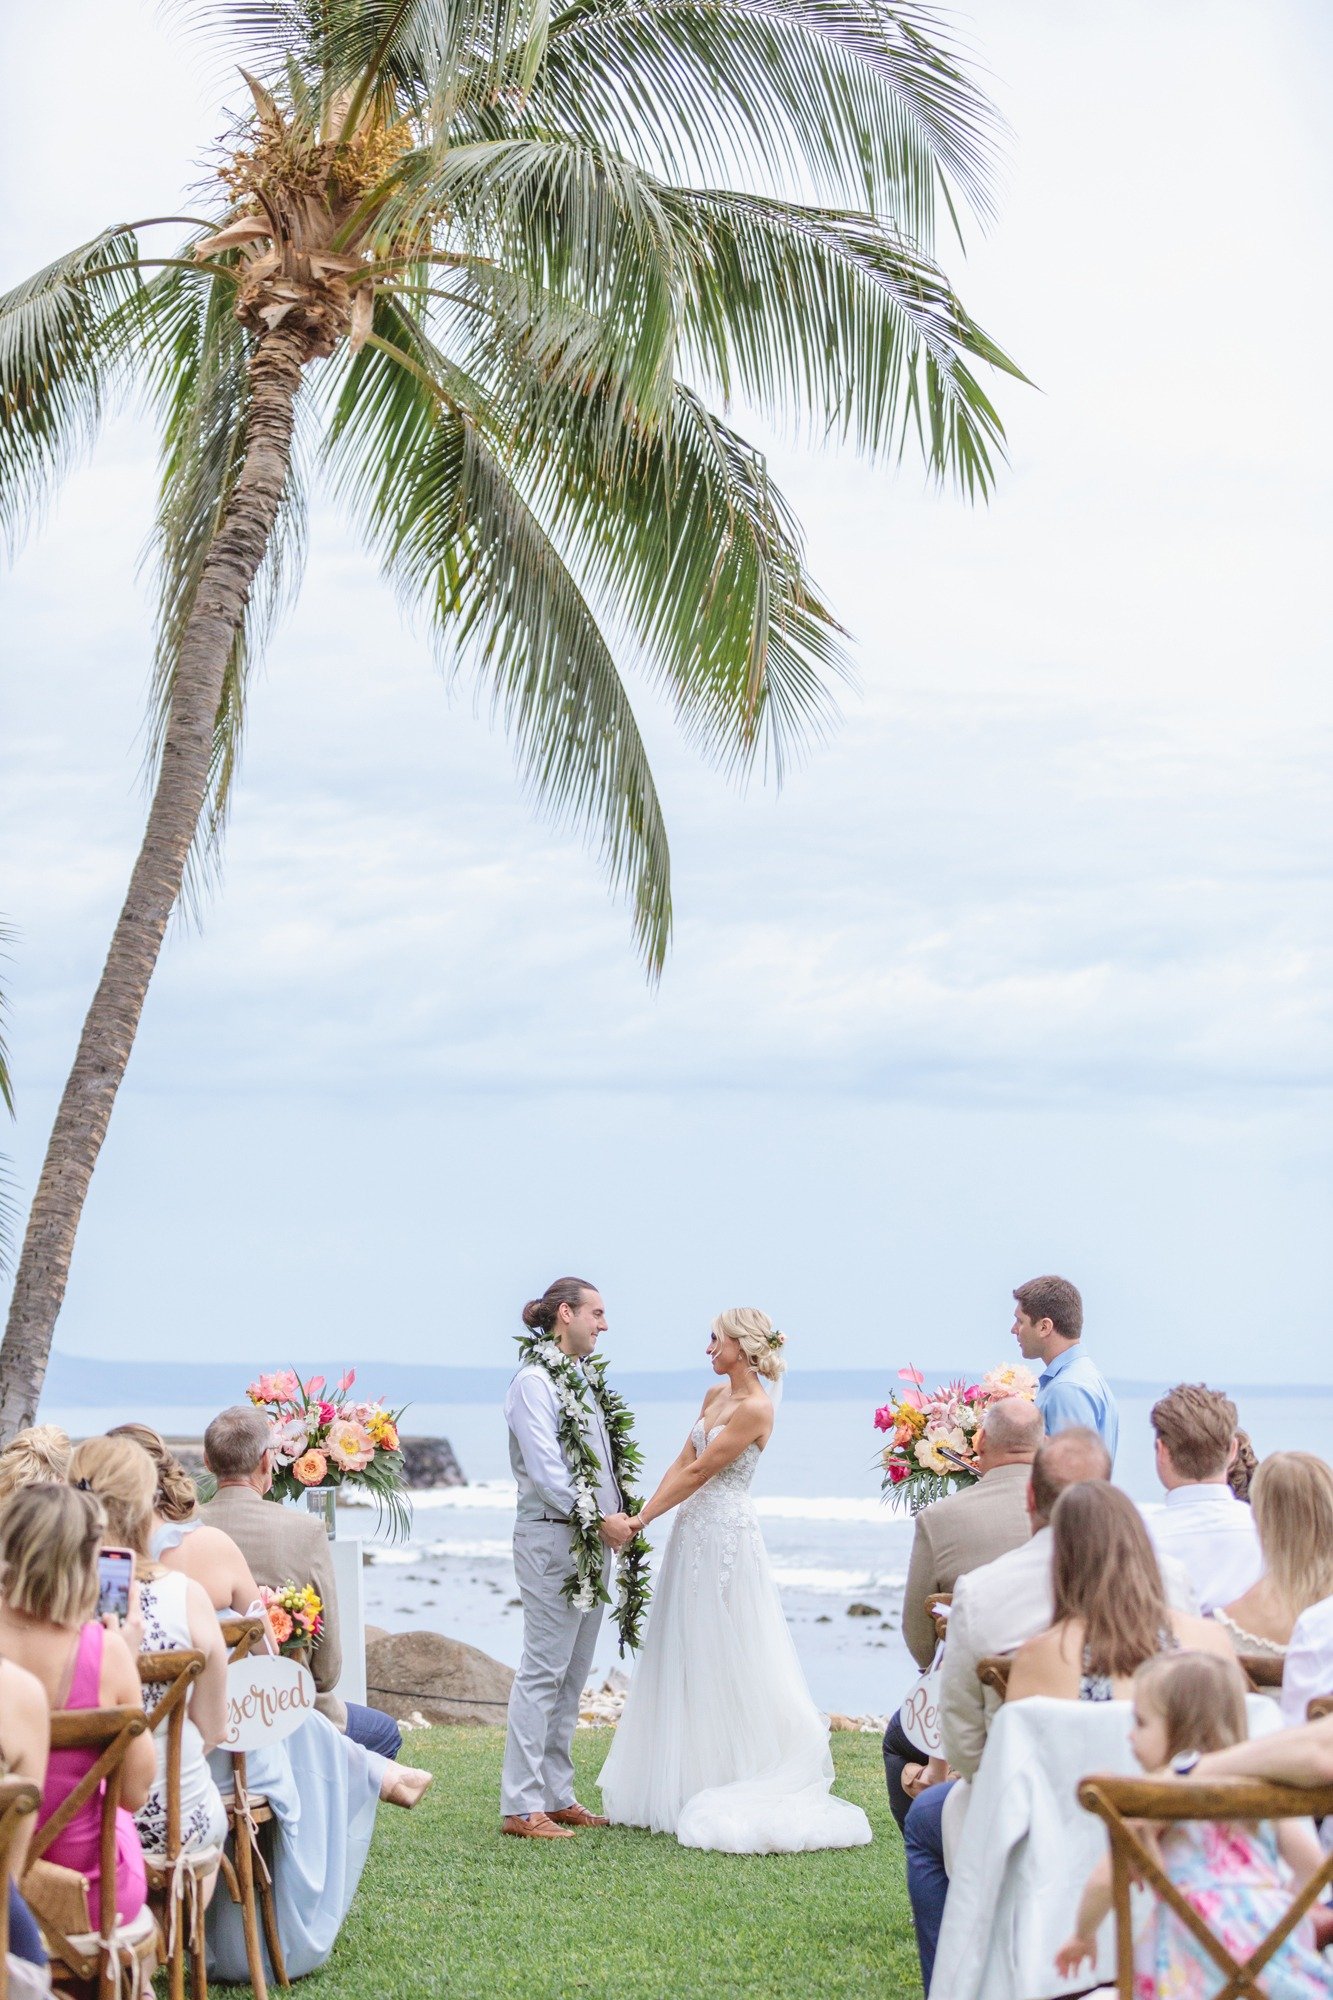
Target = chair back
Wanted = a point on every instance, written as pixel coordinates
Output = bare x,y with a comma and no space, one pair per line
19,1800
993,1673
108,1732
241,1636
1167,1802
176,1673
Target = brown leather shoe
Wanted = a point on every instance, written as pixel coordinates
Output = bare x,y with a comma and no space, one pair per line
576,1815
534,1826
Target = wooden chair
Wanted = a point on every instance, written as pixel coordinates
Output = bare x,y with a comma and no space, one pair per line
176,1881
937,1599
1167,1801
19,1800
102,1950
1262,1670
993,1673
245,1871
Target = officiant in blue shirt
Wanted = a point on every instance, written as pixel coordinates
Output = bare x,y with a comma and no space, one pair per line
1071,1389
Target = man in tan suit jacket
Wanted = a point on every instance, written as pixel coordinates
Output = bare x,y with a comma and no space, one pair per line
285,1545
961,1533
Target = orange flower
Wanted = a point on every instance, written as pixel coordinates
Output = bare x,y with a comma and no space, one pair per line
281,1623
310,1468
385,1433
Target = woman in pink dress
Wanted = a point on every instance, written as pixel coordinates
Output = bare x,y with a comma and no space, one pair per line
49,1542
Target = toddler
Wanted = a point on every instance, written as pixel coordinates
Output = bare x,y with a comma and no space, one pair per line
1240,1878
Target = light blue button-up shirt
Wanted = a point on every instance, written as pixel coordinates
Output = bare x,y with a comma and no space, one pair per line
1072,1390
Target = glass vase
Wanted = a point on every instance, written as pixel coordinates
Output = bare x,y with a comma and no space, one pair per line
323,1501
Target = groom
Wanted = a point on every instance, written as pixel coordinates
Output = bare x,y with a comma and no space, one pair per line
537,1784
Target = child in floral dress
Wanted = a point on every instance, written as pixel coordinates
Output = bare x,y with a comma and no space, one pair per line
1240,1878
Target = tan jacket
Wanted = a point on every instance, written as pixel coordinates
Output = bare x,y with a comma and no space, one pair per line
970,1528
286,1545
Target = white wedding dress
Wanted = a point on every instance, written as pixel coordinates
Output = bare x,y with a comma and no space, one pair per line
720,1742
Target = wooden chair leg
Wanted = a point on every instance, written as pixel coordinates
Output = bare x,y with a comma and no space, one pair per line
245,1876
198,1962
269,1908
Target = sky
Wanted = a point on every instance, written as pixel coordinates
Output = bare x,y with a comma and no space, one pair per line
1027,969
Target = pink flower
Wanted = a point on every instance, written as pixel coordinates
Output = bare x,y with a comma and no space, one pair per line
310,1468
911,1375
884,1419
346,1380
315,1386
350,1445
286,1385
897,1473
327,1413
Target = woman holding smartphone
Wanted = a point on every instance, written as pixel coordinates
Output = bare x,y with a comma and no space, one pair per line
49,1542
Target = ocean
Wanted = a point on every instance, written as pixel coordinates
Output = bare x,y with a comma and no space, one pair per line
832,1540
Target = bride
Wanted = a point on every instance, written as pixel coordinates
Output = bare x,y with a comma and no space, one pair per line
720,1742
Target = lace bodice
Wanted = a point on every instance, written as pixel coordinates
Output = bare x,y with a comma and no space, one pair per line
734,1478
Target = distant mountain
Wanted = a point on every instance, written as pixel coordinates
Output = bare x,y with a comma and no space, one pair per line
77,1382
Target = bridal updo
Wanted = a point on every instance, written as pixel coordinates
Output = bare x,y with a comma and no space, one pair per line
756,1336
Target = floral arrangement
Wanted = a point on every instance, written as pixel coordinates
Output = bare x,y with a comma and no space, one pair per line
320,1438
933,1446
295,1616
575,1386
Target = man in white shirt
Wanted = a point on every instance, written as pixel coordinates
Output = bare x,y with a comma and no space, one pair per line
1203,1524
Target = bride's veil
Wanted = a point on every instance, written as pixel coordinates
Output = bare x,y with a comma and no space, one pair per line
773,1390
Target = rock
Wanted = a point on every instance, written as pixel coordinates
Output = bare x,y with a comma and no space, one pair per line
841,1722
864,1611
430,1462
823,1619
374,1632
439,1679
616,1682
513,1604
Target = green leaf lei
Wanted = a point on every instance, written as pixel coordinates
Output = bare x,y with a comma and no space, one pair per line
573,1385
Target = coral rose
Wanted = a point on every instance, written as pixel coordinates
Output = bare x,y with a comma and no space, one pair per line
281,1623
310,1468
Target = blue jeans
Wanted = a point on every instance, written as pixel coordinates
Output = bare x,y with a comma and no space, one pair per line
927,1878
373,1730
25,1939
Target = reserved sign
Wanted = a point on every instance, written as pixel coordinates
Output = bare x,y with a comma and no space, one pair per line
266,1700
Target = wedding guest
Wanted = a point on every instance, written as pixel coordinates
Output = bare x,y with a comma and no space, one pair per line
1203,1524
1308,1670
1292,1501
1240,1878
49,1542
182,1541
175,1616
25,1744
285,1545
1109,1611
1071,1389
1241,1471
957,1535
37,1456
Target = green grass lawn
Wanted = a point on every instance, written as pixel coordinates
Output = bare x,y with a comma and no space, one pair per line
447,1906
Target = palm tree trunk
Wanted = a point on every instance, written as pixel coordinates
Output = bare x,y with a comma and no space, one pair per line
178,800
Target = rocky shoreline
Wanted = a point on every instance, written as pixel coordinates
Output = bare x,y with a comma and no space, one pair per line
429,1462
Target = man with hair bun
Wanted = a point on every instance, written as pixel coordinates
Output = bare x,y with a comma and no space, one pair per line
1071,1389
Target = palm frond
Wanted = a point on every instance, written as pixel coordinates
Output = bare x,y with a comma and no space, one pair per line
832,319
867,103
198,377
411,455
57,367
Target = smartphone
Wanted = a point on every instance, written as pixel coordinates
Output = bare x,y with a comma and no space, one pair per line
955,1458
115,1574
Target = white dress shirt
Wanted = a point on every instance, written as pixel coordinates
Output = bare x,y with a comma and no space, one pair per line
532,1412
1213,1533
1309,1665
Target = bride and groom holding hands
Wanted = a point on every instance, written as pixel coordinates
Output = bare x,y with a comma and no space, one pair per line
720,1742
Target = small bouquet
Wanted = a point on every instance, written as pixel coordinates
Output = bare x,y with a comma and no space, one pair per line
933,1446
323,1439
295,1616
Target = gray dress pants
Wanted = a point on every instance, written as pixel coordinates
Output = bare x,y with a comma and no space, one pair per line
558,1644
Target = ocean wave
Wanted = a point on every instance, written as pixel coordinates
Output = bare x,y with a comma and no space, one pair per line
501,1495
835,1582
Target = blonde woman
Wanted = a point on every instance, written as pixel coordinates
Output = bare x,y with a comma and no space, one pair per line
182,1541
37,1456
1291,1495
175,1616
720,1742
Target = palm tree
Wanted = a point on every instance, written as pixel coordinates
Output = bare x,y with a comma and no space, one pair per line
7,1213
476,263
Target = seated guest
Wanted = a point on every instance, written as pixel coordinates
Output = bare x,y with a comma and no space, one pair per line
1203,1524
25,1744
37,1456
1071,1389
1292,1500
959,1534
1239,1878
1308,1670
174,1616
49,1542
1109,1611
182,1541
285,1545
994,1610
